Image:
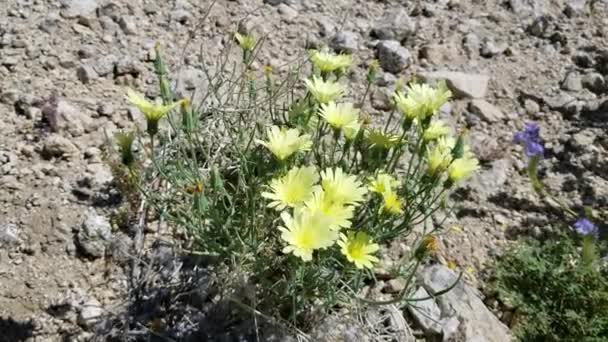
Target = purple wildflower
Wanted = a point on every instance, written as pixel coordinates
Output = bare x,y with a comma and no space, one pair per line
585,227
530,138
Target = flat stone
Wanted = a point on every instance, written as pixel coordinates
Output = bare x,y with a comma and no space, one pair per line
572,82
463,85
86,74
91,313
392,56
426,313
57,146
128,26
477,322
486,110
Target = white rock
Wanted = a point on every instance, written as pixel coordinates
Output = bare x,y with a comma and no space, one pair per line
9,234
78,8
477,322
90,313
94,235
426,312
486,110
463,85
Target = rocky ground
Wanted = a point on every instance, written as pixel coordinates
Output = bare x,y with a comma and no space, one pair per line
64,65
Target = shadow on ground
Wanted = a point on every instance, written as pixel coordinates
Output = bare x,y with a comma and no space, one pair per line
174,298
15,331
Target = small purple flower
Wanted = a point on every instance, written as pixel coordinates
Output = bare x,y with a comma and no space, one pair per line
585,227
530,138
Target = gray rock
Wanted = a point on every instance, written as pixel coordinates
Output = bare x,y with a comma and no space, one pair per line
488,182
526,8
392,56
531,107
582,140
340,328
575,7
127,65
97,175
463,85
9,235
595,82
63,116
572,82
485,147
426,313
394,25
394,285
91,313
477,322
486,110
56,146
105,65
127,24
105,109
490,48
78,8
345,41
86,74
287,12
582,59
9,97
472,44
439,53
94,235
326,26
539,26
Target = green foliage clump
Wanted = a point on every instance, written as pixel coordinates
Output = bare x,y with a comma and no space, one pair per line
557,294
289,186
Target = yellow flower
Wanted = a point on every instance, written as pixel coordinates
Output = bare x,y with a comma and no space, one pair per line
340,116
462,168
435,131
379,139
324,91
246,41
306,232
392,203
284,142
341,187
337,214
327,62
382,183
292,189
358,249
440,156
152,111
351,131
421,100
